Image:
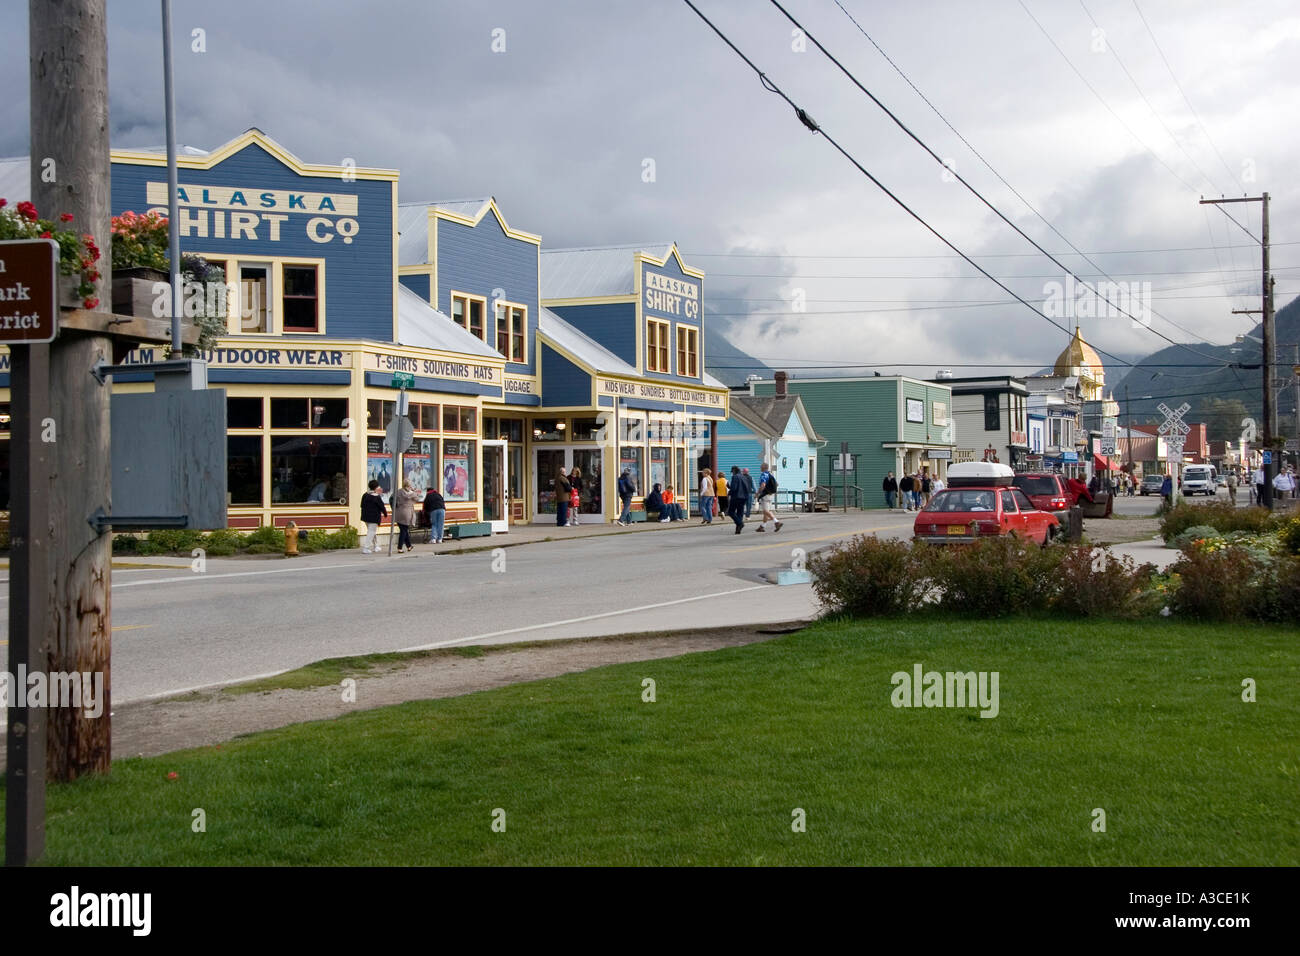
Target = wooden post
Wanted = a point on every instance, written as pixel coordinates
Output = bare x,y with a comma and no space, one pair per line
70,169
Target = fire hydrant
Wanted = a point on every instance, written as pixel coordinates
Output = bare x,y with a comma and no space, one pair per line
291,540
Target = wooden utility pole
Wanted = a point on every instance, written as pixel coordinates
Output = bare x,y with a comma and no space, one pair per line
70,170
1269,429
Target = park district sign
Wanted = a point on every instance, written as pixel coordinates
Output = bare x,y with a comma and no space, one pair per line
29,306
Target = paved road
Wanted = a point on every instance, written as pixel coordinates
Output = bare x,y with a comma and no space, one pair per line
175,629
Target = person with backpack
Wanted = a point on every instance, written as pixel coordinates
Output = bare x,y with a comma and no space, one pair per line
767,498
626,489
373,511
737,499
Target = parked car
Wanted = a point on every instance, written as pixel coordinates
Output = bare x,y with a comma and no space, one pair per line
980,501
1048,492
1221,481
1151,484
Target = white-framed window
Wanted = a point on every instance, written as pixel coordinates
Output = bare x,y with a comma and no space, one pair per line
688,351
512,331
470,313
656,346
270,296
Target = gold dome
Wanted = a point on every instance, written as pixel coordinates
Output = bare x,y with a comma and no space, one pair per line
1081,359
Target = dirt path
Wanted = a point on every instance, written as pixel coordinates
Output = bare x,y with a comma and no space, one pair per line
212,717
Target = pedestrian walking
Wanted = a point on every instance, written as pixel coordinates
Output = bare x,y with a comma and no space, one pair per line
575,496
404,515
563,490
890,487
373,511
706,497
927,486
905,490
1232,488
767,499
936,485
1167,490
738,498
1259,480
720,489
749,491
626,489
1284,484
435,511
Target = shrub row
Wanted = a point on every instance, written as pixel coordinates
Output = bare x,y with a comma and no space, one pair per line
226,541
1222,581
1221,516
870,576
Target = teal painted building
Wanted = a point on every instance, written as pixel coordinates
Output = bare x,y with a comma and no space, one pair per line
777,430
891,423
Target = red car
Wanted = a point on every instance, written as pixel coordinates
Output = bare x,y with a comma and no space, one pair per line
979,502
1048,492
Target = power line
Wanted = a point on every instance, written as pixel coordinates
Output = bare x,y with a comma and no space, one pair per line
989,255
959,278
1110,46
812,126
1183,94
975,192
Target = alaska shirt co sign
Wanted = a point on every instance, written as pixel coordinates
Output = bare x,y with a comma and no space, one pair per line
29,304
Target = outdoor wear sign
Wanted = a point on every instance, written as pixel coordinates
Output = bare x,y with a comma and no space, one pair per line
29,302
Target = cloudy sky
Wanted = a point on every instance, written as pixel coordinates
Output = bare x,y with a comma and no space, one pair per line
613,121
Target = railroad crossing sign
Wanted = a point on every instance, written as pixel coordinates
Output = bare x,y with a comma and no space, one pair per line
1173,423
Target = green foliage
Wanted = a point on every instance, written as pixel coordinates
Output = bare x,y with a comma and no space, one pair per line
1095,583
993,577
1221,516
222,542
1215,584
140,241
1222,418
1196,532
266,540
865,577
1289,535
165,540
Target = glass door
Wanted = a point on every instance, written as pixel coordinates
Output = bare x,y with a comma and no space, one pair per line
548,464
588,461
496,499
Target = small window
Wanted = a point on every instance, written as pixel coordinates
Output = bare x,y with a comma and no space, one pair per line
255,297
657,346
512,329
549,429
1008,503
243,413
459,418
244,469
1025,503
688,352
289,412
328,412
301,300
467,311
586,429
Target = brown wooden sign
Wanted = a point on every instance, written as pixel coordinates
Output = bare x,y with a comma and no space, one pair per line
29,291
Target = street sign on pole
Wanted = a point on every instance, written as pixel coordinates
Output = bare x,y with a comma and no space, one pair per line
403,380
29,291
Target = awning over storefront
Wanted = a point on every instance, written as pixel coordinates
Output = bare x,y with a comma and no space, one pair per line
1103,463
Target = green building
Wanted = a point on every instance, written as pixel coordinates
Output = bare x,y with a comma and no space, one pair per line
891,423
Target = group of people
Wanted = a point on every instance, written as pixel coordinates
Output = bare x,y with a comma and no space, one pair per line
373,512
735,497
1285,484
913,492
568,497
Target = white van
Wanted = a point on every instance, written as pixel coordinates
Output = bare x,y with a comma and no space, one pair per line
1199,480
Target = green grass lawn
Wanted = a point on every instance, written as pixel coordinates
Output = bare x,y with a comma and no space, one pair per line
1145,721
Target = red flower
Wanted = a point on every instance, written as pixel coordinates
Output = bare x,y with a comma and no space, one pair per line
66,217
46,235
92,303
173,775
27,211
3,203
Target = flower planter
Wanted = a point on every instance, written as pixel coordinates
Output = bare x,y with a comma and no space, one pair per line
133,290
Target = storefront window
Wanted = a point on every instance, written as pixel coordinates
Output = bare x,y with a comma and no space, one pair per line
549,429
308,469
458,470
243,413
659,467
512,430
244,469
631,460
425,417
459,418
631,429
490,428
587,429
308,412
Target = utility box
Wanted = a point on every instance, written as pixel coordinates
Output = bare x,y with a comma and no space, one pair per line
169,459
